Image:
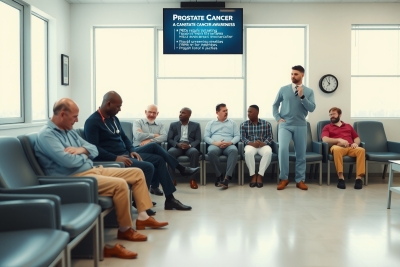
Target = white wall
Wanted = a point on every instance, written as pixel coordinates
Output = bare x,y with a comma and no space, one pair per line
329,44
58,13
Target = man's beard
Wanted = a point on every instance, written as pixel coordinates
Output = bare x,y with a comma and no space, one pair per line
335,120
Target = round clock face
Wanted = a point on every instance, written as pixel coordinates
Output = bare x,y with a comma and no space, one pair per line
328,83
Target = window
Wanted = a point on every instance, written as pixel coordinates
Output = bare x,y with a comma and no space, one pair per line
11,47
212,79
270,55
39,68
124,62
375,70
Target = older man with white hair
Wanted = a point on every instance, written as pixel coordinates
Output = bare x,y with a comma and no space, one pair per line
146,131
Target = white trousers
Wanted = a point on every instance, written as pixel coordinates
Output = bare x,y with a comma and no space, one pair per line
265,152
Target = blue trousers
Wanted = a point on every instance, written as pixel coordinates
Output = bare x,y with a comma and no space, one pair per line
153,165
299,136
231,152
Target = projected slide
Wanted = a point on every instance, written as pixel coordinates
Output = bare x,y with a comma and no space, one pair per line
203,31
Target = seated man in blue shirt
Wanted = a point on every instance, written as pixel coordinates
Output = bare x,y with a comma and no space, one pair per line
63,152
222,134
104,130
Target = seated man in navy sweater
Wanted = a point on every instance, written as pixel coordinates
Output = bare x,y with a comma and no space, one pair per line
104,130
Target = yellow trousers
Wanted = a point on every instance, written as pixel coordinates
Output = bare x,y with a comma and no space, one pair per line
359,153
113,182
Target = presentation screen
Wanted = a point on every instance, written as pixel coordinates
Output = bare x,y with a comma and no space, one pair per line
203,31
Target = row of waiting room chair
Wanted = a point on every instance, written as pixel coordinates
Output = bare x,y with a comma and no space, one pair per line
372,135
79,210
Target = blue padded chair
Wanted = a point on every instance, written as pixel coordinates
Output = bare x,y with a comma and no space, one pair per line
79,211
328,157
313,153
27,239
222,159
127,127
257,158
377,148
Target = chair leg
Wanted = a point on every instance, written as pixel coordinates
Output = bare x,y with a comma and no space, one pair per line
272,171
205,173
384,171
310,175
316,170
366,173
320,173
328,180
242,163
350,171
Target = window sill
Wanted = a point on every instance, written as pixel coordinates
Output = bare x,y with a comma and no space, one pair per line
22,125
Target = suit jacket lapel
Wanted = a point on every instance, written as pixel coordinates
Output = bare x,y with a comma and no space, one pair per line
178,125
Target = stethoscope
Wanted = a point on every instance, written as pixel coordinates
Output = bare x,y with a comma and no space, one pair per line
104,121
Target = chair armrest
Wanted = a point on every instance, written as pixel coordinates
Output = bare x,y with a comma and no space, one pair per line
203,148
108,164
21,221
393,146
240,146
275,147
44,180
164,145
325,151
68,192
317,147
362,144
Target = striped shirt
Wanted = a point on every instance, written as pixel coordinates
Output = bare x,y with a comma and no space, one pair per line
250,132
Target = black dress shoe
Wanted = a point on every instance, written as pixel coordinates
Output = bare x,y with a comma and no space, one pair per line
190,171
154,203
156,191
150,212
218,180
252,185
259,185
134,203
175,204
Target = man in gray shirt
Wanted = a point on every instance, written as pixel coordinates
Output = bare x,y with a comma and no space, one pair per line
146,131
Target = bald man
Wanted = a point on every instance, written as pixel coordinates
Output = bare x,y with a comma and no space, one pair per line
62,152
184,139
104,130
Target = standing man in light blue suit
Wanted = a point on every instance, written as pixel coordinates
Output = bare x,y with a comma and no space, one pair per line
296,100
222,134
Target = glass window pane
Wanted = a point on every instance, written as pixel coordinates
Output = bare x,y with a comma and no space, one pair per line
124,62
10,62
364,102
39,68
270,57
174,94
375,52
197,65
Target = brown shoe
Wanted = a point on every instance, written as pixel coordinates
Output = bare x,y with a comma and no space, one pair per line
282,184
131,235
174,182
119,251
150,222
302,185
193,184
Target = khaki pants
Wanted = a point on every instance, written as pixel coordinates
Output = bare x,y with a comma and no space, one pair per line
112,182
359,153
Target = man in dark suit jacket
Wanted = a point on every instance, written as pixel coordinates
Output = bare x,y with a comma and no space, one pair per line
184,138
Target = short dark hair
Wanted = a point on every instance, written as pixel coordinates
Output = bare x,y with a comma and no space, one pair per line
298,68
255,107
219,106
338,110
63,106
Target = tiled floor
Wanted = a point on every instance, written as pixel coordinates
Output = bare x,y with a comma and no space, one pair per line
244,226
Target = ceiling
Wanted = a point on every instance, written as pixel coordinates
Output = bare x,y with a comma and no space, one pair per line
227,1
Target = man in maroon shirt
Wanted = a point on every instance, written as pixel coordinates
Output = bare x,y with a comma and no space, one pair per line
344,141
